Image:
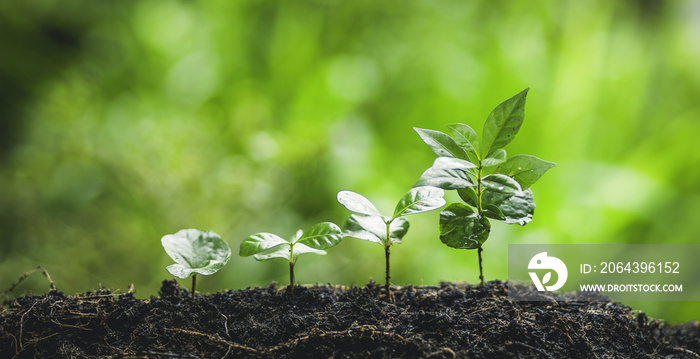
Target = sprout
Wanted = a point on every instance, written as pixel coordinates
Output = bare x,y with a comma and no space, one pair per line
195,252
369,225
264,246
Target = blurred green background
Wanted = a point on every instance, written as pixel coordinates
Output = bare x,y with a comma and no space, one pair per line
123,121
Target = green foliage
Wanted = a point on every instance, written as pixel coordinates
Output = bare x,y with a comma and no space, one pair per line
493,186
195,252
367,223
264,246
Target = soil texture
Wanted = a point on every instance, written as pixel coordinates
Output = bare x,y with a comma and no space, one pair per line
452,320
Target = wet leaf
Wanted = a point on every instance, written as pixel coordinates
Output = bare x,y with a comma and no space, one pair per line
321,236
357,203
420,199
525,169
260,242
500,183
503,123
445,179
461,227
465,137
495,158
441,143
518,207
373,229
194,251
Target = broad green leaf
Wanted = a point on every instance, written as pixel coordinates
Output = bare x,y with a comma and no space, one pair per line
420,199
357,203
495,158
525,169
441,143
194,251
468,195
461,227
398,229
503,123
494,212
373,229
518,207
366,228
445,179
300,248
321,236
260,242
465,137
451,163
501,183
279,251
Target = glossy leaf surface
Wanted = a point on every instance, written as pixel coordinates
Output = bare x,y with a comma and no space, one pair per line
260,242
420,199
461,227
503,123
451,163
518,207
525,169
357,203
465,137
194,251
373,229
445,179
495,158
501,183
321,236
441,143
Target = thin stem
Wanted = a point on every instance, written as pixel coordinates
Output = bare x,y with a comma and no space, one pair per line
291,277
388,277
194,284
387,254
481,269
478,191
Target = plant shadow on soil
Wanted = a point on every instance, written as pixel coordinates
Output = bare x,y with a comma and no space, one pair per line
452,320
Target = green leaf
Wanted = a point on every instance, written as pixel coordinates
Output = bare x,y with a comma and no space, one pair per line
373,229
357,203
441,143
468,195
503,123
495,158
321,236
445,179
518,207
465,137
494,212
194,251
420,199
461,227
280,251
300,248
501,183
525,169
451,163
260,242
366,228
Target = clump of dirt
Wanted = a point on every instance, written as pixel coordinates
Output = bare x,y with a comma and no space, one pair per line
446,321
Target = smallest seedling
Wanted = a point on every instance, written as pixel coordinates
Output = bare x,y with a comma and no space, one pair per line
264,246
195,252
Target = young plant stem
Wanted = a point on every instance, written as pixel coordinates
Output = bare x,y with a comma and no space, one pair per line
481,270
291,277
194,284
478,191
387,254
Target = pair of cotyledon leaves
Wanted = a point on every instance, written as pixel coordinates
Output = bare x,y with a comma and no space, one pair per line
506,194
365,223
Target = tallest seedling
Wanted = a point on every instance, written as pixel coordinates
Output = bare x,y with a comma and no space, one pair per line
491,184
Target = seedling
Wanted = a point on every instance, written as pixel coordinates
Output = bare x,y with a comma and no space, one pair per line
368,224
195,252
491,184
264,246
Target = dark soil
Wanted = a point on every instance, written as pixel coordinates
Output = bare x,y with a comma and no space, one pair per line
446,321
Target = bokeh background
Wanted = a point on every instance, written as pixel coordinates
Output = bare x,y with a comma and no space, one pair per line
123,121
